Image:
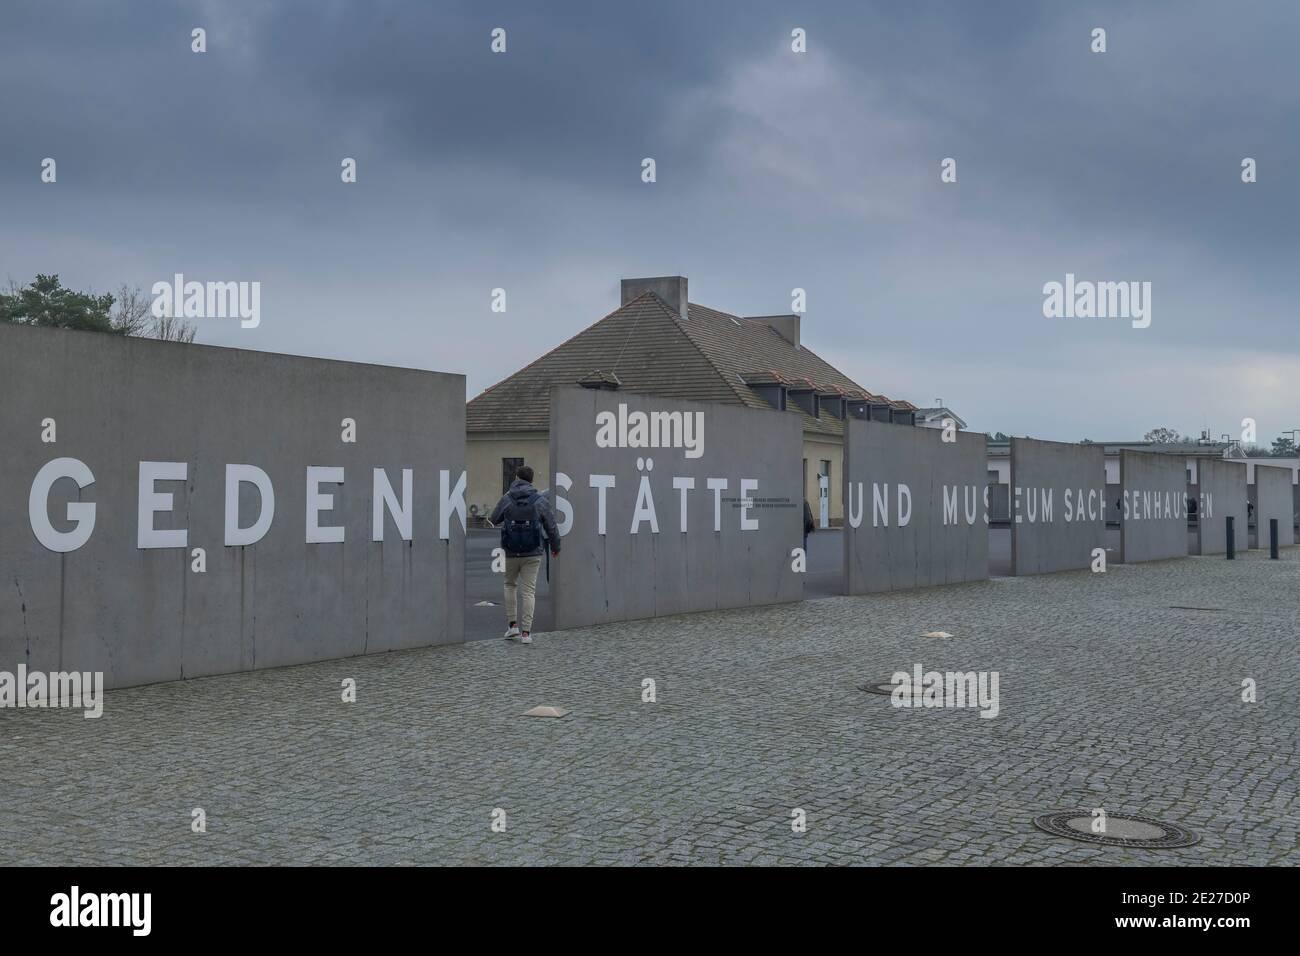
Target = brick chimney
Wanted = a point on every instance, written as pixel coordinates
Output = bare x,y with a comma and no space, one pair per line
672,289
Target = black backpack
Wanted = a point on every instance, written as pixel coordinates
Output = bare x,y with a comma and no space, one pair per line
521,531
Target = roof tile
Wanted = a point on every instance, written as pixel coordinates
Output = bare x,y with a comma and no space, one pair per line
709,357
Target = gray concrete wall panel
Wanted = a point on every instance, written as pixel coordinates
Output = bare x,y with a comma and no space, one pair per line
142,614
735,549
1274,499
1153,506
1220,494
914,507
1058,504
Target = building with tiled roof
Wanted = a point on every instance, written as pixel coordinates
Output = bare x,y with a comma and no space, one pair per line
937,417
657,342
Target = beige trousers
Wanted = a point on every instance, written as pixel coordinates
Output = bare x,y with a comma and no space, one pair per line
521,575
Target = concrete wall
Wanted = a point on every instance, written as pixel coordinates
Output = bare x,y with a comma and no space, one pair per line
1274,500
631,571
1220,494
1290,464
1058,501
142,614
483,462
1153,506
915,508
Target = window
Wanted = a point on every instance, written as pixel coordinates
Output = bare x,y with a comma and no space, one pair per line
508,468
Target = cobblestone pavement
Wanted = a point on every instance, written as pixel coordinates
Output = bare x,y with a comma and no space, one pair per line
1110,697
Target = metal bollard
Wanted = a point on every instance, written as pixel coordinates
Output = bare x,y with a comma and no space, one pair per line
1232,540
1272,538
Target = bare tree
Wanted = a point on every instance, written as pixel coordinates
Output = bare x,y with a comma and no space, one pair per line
133,315
131,312
171,329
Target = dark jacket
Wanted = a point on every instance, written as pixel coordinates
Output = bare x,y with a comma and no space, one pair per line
522,491
808,524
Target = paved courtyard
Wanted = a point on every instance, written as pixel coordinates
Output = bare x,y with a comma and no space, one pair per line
1120,691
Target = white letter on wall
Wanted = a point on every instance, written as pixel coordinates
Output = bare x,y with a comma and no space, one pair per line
645,507
449,502
235,535
317,502
80,512
562,507
746,486
717,486
855,517
601,483
904,514
151,502
683,485
400,510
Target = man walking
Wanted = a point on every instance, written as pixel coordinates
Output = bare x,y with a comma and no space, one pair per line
523,515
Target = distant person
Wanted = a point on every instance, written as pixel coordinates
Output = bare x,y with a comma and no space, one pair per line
809,526
524,517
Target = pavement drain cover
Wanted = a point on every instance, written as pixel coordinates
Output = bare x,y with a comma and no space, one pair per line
1132,830
546,712
886,688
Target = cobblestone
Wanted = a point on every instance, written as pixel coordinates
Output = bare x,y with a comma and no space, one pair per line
1109,698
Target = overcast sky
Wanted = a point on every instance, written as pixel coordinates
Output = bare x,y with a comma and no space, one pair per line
775,170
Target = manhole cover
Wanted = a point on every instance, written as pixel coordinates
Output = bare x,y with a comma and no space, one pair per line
885,688
1127,829
944,694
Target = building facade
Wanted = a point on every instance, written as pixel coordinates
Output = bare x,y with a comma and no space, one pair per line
658,342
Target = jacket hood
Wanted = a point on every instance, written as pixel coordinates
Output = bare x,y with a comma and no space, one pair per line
521,490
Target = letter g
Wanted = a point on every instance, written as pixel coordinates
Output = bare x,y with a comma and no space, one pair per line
81,513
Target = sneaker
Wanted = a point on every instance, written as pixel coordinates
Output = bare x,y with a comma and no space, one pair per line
512,633
526,638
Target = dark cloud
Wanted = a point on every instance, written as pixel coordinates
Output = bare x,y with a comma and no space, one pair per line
775,171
